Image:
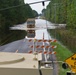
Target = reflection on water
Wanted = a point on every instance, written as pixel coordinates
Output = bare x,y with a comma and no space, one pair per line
39,34
11,36
7,36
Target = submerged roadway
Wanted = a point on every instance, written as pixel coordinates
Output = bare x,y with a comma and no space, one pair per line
22,46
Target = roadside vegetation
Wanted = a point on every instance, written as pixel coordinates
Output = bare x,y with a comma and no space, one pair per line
66,37
62,53
13,16
63,12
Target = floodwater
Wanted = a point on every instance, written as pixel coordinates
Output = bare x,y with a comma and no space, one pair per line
40,32
11,47
42,26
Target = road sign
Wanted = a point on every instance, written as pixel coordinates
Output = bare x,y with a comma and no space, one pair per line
71,61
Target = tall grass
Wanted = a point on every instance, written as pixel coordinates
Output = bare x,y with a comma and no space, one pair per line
62,54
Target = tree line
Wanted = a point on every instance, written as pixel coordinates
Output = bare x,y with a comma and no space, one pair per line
64,12
12,16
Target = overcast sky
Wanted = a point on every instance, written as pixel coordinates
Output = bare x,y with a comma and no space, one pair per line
38,7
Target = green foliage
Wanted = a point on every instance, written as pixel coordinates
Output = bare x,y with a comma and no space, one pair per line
62,53
63,11
44,10
13,16
64,37
35,13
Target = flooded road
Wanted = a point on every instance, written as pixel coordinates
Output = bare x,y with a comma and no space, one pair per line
39,35
22,46
12,47
42,26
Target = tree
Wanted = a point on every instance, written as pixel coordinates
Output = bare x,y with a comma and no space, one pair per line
35,13
13,16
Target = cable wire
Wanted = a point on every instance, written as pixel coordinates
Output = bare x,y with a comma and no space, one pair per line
22,5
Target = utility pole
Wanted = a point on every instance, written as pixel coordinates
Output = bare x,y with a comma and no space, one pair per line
55,17
55,11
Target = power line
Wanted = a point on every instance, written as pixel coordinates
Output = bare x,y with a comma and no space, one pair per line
12,7
23,5
38,2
